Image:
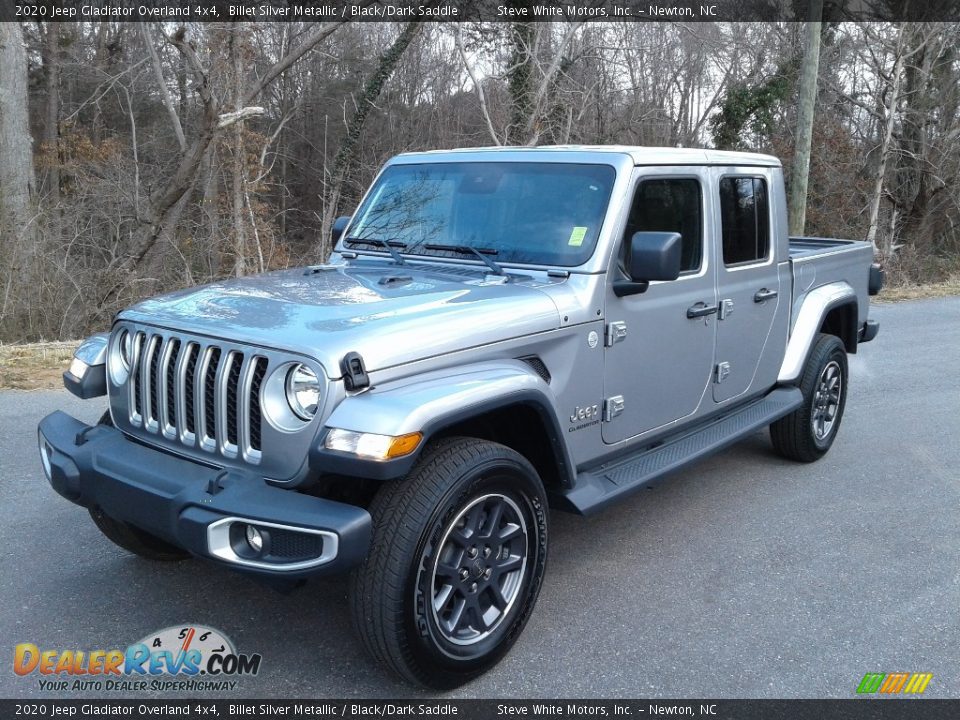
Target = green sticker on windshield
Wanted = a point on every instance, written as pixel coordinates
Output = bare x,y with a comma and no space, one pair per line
576,237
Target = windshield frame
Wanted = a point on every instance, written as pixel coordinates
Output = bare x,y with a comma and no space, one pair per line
596,262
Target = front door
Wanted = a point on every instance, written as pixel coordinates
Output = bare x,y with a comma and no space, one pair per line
658,360
748,281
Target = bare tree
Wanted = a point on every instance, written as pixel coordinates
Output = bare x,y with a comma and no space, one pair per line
363,104
806,105
16,152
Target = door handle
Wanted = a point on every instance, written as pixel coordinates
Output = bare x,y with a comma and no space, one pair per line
764,294
701,310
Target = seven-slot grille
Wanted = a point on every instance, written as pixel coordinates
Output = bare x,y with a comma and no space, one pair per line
198,394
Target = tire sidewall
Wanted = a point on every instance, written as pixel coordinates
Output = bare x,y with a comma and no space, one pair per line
516,480
828,349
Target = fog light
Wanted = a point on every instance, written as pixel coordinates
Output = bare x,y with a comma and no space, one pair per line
254,539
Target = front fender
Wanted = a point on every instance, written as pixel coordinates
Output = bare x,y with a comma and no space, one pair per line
430,402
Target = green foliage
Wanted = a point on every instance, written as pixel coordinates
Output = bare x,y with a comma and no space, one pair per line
749,106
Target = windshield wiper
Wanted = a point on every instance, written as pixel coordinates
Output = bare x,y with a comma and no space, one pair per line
480,253
389,245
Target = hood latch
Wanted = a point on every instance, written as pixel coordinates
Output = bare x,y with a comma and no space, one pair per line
354,373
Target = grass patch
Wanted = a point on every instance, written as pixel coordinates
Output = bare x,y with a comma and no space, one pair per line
899,293
35,366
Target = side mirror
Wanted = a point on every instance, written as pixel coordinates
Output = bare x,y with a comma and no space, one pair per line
339,225
653,256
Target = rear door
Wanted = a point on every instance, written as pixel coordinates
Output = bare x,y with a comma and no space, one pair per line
748,283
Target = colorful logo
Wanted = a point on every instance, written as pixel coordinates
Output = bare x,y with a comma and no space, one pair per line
187,651
893,683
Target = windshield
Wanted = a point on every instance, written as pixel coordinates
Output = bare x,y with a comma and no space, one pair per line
527,212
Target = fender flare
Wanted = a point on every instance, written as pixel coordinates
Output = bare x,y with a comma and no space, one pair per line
432,401
813,310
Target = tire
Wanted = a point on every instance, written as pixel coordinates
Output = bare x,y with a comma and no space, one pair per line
436,549
130,538
808,432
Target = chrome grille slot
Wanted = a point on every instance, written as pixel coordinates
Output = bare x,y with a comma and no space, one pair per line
253,402
189,409
151,355
197,394
166,380
206,390
136,393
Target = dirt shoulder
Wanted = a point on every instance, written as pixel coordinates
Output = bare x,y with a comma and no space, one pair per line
35,366
900,293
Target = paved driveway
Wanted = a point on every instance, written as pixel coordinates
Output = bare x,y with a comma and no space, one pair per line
747,576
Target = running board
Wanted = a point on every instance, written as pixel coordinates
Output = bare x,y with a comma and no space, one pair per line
596,489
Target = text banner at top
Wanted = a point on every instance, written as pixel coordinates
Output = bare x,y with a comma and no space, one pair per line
478,10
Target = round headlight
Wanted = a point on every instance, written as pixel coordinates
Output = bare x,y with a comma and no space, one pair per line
303,391
125,345
120,357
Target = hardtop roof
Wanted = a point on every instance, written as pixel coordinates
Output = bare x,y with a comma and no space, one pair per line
640,155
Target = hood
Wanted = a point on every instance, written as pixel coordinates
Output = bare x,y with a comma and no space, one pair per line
389,314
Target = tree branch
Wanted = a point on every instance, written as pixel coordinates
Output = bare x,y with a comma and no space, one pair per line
162,83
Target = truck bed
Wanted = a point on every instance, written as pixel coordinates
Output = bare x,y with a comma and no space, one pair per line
803,247
819,261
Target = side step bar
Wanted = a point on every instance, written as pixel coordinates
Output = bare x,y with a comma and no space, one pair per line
597,488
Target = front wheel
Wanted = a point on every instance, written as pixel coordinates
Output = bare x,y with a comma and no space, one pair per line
457,560
808,432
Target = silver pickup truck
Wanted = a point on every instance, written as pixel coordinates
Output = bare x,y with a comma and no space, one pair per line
496,332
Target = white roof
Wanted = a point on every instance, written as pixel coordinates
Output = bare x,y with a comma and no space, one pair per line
641,155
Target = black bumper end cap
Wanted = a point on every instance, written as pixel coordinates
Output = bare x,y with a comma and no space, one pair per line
92,384
869,331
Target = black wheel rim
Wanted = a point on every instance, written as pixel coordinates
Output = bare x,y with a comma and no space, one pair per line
478,571
826,400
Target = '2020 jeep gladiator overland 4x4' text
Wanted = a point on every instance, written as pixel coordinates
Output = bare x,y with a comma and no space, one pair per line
497,330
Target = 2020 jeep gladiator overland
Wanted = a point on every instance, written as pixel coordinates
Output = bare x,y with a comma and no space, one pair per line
497,330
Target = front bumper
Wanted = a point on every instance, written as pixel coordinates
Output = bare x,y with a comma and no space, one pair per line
202,509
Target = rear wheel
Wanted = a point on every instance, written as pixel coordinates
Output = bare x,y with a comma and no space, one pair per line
808,432
456,564
131,538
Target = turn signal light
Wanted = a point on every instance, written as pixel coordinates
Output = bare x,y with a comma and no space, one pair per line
370,445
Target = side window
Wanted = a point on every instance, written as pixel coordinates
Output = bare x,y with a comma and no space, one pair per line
670,205
745,219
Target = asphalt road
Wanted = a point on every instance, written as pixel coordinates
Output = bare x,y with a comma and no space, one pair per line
747,576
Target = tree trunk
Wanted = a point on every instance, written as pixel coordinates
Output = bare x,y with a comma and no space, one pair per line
16,154
348,147
520,77
239,166
800,173
211,211
890,109
51,135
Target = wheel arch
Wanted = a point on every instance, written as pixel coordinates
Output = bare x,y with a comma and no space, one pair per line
841,320
501,401
831,309
522,424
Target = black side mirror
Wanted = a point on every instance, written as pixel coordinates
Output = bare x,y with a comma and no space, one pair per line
339,225
653,256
